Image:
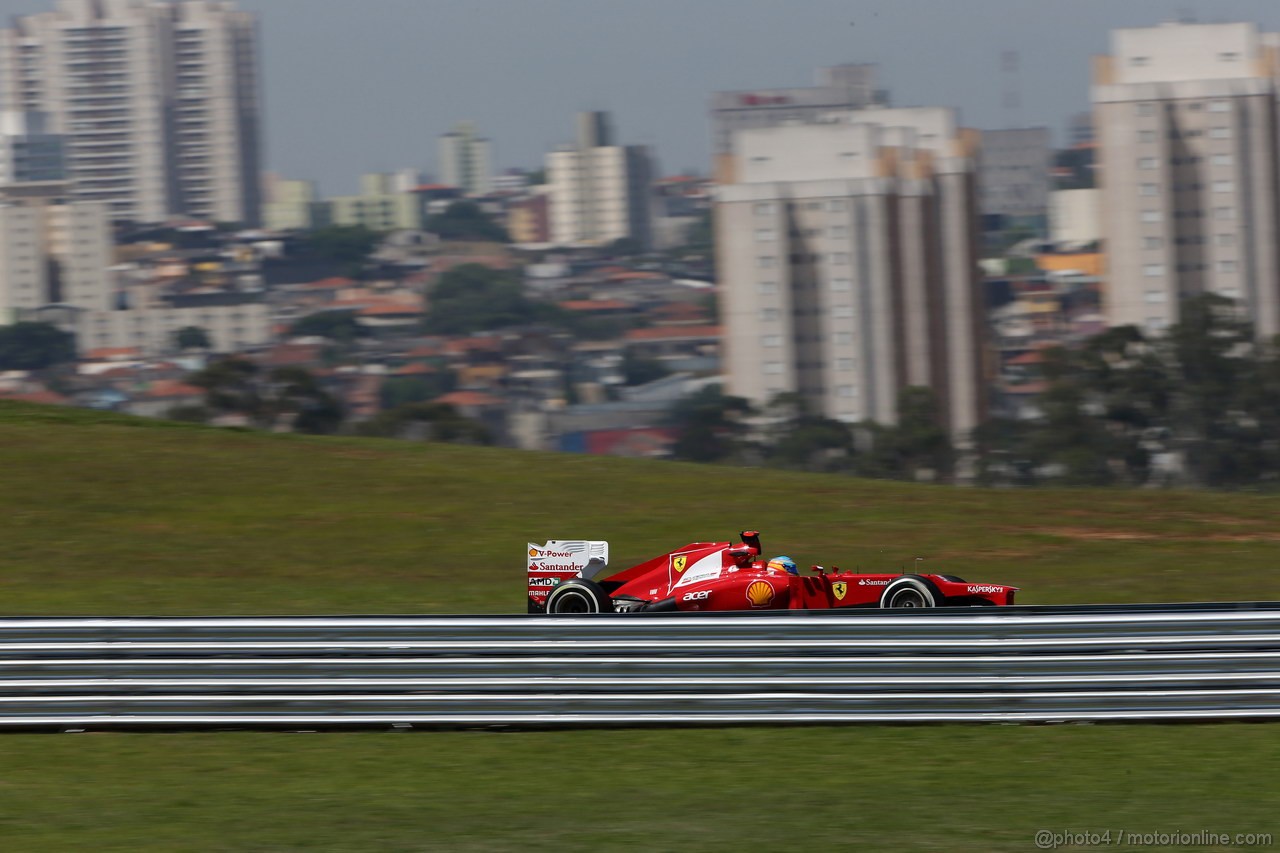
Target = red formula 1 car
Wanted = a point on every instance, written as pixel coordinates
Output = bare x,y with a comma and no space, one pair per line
566,577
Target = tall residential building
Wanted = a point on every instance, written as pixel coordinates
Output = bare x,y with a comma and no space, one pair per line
598,191
466,160
53,251
1185,118
56,266
1013,176
378,207
28,152
839,87
158,102
293,206
847,260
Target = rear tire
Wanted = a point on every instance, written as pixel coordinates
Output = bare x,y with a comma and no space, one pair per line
909,591
579,596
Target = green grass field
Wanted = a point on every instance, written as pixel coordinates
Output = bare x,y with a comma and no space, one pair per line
110,515
870,788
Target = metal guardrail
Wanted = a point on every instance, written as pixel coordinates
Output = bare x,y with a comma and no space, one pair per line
1022,664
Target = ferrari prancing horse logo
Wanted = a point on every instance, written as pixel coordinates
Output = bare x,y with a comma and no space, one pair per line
839,588
678,563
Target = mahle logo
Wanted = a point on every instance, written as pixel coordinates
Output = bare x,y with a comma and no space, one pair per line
760,594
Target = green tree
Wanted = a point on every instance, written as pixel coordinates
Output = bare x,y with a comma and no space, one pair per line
624,247
341,326
918,443
35,346
402,390
709,426
288,396
464,220
298,398
432,421
804,440
192,337
638,370
231,386
347,244
473,297
1214,362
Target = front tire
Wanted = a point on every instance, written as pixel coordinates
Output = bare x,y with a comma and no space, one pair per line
908,592
579,596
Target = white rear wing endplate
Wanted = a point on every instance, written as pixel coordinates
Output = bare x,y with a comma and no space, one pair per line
585,557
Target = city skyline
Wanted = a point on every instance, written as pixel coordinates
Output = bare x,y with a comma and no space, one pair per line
522,70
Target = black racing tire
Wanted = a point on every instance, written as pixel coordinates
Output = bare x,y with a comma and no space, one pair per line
908,592
579,596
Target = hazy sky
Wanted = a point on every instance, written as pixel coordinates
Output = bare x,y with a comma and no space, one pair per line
366,85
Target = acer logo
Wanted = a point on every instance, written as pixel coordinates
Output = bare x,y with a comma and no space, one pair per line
697,596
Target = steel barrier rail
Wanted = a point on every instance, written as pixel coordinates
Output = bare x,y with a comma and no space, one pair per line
1021,664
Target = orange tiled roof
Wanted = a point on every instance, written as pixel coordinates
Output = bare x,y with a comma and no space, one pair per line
390,309
469,398
1033,357
334,283
460,346
46,397
661,333
414,370
173,388
634,275
105,353
595,305
1028,388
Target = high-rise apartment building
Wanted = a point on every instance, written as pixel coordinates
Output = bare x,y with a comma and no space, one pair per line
598,191
847,261
53,251
56,265
158,102
1186,125
28,152
466,160
1013,175
838,87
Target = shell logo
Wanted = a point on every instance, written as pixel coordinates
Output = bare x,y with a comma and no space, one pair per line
760,594
533,552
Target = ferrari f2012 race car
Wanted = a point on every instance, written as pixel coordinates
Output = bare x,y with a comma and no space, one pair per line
567,577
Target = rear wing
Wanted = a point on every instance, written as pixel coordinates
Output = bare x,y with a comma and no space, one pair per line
560,560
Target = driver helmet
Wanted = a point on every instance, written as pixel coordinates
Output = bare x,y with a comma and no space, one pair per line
783,564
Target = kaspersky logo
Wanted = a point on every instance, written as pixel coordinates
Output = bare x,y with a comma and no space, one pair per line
760,594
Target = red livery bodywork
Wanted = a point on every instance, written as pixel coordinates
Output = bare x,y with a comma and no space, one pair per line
722,576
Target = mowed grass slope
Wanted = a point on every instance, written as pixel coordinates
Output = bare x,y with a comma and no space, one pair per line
753,789
111,515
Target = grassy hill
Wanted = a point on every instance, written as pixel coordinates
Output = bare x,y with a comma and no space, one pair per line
113,515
